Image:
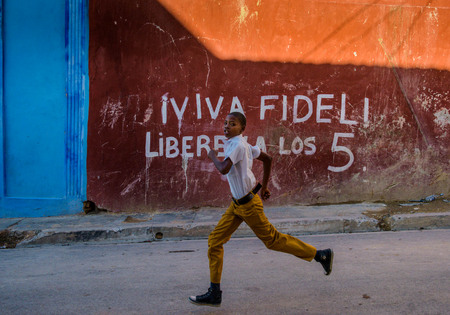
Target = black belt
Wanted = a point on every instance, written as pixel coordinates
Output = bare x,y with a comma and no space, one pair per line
248,196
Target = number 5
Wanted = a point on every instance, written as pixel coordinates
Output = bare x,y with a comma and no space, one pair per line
338,148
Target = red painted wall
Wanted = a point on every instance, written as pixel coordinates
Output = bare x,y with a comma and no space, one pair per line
162,82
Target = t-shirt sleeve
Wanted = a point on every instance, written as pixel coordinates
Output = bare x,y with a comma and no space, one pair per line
256,151
237,154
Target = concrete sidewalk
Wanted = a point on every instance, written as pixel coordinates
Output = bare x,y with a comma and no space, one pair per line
194,224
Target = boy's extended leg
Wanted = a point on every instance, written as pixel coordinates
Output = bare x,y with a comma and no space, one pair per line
253,215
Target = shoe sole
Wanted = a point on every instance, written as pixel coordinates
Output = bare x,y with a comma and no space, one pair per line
331,264
203,304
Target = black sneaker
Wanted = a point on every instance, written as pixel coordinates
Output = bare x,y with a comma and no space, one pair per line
325,257
211,298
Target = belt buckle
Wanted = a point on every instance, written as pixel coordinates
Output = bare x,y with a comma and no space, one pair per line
250,195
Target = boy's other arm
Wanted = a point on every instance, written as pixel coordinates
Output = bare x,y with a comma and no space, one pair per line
223,166
267,166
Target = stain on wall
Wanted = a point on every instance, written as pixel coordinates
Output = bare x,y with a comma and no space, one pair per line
161,83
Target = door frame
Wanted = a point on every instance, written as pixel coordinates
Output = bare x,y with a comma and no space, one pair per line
77,90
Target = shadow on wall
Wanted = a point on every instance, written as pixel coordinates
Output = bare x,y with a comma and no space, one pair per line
339,129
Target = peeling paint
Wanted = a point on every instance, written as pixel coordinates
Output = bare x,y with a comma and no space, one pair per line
434,16
425,101
442,118
400,122
268,83
111,112
243,12
148,113
289,86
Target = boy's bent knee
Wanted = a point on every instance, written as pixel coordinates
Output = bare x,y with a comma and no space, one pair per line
272,241
215,240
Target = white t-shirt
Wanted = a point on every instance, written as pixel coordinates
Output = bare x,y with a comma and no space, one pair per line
240,177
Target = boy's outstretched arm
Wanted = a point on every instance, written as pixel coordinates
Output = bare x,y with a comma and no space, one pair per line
223,166
267,165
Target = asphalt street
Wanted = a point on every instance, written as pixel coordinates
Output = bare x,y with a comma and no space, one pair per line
374,273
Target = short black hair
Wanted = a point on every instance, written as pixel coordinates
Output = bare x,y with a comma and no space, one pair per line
240,117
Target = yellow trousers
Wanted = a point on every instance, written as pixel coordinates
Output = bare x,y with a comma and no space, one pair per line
253,214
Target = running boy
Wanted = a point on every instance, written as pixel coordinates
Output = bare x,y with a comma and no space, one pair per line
247,206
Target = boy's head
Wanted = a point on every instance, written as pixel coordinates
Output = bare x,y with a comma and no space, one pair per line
239,116
234,124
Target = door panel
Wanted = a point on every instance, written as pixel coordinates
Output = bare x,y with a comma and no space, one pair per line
43,116
34,98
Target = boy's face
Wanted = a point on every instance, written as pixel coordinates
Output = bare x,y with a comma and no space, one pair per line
232,127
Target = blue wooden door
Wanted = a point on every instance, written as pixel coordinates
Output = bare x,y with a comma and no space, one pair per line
44,109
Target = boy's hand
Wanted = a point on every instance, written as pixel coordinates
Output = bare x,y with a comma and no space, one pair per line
212,154
265,193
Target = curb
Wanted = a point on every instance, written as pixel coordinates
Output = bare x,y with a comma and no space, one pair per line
420,221
202,230
192,225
